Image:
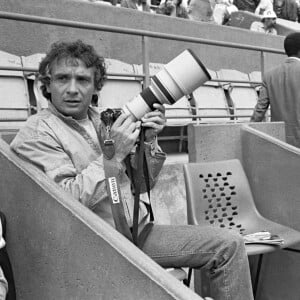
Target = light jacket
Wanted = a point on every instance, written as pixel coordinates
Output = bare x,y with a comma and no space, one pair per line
63,149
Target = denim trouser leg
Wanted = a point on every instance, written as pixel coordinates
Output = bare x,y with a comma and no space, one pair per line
221,252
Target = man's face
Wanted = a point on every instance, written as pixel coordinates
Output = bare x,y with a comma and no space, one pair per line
170,3
71,87
269,23
278,5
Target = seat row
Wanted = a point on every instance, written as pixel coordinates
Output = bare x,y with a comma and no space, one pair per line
215,101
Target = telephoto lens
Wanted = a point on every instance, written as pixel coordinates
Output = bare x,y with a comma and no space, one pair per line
181,76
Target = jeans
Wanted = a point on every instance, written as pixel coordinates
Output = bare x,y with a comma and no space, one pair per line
221,252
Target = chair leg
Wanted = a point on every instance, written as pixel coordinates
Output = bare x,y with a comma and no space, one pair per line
292,250
181,139
187,281
255,285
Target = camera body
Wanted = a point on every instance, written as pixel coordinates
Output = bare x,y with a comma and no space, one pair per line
109,116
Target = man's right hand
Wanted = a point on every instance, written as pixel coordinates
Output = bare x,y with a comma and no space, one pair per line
125,133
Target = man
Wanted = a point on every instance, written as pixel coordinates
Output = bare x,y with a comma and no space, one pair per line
247,5
223,10
173,8
141,5
65,142
201,10
286,9
267,24
280,89
263,6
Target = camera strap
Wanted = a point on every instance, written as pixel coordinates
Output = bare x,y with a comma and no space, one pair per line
117,208
142,169
113,188
114,192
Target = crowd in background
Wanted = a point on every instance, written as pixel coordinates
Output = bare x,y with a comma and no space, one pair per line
217,11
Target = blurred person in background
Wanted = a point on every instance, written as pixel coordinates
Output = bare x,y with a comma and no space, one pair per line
286,9
201,10
223,10
173,8
247,5
267,23
264,5
142,5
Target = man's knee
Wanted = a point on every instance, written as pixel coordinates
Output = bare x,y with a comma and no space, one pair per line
232,244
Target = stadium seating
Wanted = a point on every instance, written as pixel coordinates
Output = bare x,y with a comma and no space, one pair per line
210,100
242,95
244,19
213,102
272,167
14,99
219,195
255,76
118,90
36,96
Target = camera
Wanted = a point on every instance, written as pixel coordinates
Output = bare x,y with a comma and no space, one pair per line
181,76
109,116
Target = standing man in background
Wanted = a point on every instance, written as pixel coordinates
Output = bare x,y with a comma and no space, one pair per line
281,90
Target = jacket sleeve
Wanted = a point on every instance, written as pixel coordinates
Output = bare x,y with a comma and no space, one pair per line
262,105
292,11
45,152
3,286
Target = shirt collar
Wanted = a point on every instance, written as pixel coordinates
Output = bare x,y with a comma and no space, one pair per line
92,114
291,58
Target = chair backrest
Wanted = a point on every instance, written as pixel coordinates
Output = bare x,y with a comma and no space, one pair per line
14,99
36,95
118,90
210,100
243,95
175,113
218,194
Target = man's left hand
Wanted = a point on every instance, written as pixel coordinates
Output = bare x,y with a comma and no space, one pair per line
154,121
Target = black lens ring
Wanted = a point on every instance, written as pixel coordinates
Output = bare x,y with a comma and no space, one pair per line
149,97
163,90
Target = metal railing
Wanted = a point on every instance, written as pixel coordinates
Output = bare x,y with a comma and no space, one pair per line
145,35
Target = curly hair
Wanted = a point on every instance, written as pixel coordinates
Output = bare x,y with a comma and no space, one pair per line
77,50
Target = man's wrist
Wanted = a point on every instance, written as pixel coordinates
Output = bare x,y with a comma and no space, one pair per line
153,141
113,167
153,145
